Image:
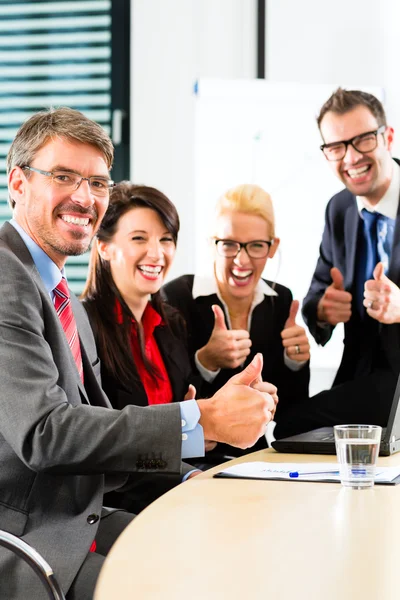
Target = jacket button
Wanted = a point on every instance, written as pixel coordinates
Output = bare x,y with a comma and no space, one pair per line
92,519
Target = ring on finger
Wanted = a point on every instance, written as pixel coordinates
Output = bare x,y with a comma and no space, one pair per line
297,349
370,304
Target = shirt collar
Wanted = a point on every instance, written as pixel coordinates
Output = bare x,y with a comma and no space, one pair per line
48,270
205,286
388,204
150,319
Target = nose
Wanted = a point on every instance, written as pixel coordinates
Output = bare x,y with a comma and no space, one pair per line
241,257
154,249
352,155
83,195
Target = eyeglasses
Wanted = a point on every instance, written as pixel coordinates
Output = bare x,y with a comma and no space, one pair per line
69,182
366,142
255,248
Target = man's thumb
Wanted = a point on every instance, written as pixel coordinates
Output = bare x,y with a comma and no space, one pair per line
379,272
219,317
291,320
251,373
337,278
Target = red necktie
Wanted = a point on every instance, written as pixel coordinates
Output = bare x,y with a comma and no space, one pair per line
62,304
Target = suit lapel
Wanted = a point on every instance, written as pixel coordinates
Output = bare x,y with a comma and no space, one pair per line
17,245
171,352
351,229
394,264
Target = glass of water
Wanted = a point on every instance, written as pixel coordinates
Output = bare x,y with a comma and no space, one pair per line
357,449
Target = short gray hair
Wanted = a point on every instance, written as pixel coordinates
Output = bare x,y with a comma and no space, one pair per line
51,123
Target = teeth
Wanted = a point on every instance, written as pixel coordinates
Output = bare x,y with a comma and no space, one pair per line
242,274
75,220
356,172
151,270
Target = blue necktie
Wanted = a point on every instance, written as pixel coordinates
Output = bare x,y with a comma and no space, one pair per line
376,245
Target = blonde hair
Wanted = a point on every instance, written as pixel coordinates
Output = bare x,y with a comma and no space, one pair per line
251,199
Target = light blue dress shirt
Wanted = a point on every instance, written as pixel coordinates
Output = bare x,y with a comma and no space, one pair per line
192,431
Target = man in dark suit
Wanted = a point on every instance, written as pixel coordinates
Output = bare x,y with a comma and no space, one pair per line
61,444
358,271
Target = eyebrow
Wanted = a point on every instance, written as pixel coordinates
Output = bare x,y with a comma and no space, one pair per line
144,231
60,167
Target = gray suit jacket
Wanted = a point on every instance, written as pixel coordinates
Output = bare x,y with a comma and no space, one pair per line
61,444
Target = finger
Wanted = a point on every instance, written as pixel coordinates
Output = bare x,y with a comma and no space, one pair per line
337,279
219,317
191,393
302,340
243,344
298,350
379,272
240,334
265,386
293,332
291,320
251,373
338,296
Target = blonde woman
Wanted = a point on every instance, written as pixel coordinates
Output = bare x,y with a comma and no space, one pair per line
234,313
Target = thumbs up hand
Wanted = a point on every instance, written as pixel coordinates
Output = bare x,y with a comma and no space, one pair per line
238,413
335,305
294,337
226,348
382,297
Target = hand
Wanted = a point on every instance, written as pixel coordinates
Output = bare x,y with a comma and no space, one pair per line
268,388
294,337
194,474
226,348
238,414
191,393
382,297
335,305
209,445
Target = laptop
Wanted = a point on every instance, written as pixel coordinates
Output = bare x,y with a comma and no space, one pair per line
322,440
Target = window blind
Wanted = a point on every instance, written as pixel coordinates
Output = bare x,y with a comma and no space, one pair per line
53,54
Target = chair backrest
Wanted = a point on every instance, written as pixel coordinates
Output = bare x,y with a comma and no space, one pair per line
34,560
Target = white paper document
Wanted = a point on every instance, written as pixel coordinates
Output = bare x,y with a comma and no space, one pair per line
300,472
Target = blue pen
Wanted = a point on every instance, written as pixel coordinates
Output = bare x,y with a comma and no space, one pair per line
294,474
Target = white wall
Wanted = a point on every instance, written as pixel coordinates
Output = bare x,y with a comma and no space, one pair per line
352,42
174,42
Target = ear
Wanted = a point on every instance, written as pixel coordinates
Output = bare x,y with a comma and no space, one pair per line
389,134
17,185
274,248
104,250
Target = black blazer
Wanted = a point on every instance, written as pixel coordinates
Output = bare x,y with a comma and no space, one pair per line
367,344
268,321
171,342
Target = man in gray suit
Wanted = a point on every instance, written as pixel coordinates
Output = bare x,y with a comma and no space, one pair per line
61,444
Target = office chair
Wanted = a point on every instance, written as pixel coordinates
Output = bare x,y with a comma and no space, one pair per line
34,560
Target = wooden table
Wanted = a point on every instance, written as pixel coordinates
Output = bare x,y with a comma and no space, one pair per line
257,540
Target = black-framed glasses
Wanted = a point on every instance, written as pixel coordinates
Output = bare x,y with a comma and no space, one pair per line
366,142
255,248
69,182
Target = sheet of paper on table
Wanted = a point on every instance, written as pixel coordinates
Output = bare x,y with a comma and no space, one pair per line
300,472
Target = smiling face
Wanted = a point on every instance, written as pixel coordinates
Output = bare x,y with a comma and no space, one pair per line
61,223
140,253
237,277
364,174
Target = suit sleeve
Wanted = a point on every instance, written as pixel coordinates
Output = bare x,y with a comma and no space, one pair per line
48,430
320,281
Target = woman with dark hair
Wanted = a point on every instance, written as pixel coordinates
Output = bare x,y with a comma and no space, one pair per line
140,338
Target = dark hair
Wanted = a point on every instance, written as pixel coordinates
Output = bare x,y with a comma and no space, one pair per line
342,101
100,293
51,123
